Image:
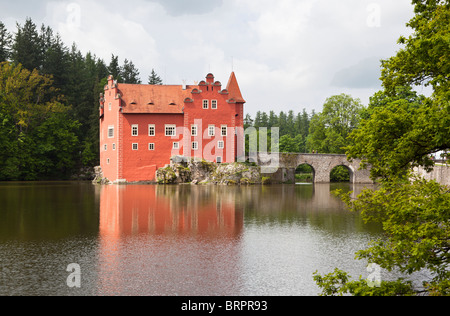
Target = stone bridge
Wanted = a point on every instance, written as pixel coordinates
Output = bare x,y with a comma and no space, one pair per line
281,166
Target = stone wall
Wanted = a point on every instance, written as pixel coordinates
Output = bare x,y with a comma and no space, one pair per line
441,174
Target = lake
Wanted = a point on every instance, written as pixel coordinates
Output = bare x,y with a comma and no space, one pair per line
175,240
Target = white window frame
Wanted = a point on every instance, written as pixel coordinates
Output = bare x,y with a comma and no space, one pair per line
111,129
194,128
194,146
110,106
205,104
173,129
151,146
151,128
224,128
211,130
214,104
114,146
219,159
135,128
105,147
176,145
220,144
135,146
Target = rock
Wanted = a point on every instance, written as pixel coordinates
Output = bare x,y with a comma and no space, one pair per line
99,177
184,170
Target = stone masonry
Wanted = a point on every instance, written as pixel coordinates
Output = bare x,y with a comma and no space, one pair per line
281,166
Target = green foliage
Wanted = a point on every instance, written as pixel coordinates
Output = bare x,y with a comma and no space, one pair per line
340,174
400,129
338,284
37,139
154,79
329,130
72,82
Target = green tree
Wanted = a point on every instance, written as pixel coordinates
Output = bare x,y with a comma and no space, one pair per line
399,131
27,46
5,43
114,68
154,79
38,138
129,73
329,130
288,144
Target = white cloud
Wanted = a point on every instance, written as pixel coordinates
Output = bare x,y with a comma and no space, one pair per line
102,31
287,53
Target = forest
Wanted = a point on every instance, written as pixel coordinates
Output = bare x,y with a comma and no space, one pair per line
49,96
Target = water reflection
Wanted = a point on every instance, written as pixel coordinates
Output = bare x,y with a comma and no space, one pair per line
209,240
169,210
175,240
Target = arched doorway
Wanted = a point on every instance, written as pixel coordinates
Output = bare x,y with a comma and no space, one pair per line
304,173
342,174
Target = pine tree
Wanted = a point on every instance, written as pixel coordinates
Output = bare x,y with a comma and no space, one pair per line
5,43
114,68
154,79
129,73
27,47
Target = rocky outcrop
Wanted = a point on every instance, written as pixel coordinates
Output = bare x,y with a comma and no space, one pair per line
183,170
99,177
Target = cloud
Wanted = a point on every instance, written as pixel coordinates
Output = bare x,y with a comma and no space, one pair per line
364,74
113,33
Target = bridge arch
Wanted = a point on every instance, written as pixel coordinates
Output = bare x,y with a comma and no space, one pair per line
341,177
305,173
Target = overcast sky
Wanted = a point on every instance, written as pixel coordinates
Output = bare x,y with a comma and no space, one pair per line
287,54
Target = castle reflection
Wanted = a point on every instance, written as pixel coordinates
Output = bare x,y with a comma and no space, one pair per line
169,210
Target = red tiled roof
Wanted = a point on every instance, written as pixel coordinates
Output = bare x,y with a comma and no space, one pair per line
165,99
161,99
233,89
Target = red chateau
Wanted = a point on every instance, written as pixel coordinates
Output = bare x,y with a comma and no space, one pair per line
143,126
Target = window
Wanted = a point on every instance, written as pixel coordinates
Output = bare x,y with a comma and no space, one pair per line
214,104
135,146
110,105
194,130
221,144
151,146
205,104
111,131
106,147
212,130
135,130
195,146
151,130
108,161
176,145
224,130
219,159
171,130
114,146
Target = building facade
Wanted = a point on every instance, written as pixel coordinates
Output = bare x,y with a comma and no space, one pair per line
143,126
